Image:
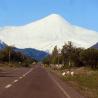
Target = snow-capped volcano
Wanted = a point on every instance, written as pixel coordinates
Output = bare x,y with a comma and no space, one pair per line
44,34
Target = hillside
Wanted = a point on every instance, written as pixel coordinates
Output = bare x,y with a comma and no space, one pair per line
95,46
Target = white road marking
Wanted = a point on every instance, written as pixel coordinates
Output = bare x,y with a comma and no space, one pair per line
24,75
27,72
8,86
15,81
20,77
60,87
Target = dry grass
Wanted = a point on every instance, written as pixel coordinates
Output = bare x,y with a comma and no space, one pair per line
86,81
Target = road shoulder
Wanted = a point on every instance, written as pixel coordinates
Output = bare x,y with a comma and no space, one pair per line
65,88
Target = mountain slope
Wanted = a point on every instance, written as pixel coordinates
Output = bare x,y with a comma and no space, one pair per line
2,45
44,34
95,46
36,54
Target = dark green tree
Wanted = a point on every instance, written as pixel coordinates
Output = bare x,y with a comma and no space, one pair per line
54,56
90,57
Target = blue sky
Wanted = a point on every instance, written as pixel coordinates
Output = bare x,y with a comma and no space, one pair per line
79,12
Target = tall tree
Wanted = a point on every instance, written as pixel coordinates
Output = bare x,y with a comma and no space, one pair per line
54,55
90,57
67,51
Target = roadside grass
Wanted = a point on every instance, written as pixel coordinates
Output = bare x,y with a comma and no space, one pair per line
86,83
6,64
85,80
14,64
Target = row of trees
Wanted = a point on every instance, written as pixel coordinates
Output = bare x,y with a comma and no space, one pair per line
8,54
70,55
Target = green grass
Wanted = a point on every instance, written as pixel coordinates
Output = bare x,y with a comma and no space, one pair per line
87,84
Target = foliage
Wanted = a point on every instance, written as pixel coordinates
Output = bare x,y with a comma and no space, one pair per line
47,60
90,57
86,83
8,54
72,56
54,55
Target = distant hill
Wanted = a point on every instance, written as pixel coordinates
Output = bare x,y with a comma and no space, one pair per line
95,46
34,53
2,45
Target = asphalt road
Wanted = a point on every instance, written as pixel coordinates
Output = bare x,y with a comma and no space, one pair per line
37,83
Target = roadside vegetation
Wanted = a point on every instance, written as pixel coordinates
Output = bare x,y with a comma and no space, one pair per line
71,56
85,81
11,58
84,64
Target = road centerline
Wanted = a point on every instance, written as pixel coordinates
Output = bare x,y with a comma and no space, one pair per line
8,86
16,80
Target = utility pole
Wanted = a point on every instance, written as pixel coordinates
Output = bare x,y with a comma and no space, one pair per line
59,51
69,65
9,56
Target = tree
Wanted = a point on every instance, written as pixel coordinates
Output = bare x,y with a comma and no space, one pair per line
8,54
67,51
47,60
90,57
71,55
54,56
75,57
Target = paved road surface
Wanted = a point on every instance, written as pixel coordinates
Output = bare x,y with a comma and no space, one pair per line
38,83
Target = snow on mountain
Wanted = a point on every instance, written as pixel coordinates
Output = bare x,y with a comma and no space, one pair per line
44,34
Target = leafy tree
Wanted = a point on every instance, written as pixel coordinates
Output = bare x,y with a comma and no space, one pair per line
47,60
8,54
73,56
67,51
5,54
90,57
54,56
